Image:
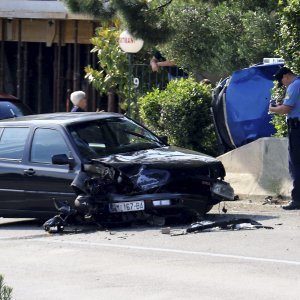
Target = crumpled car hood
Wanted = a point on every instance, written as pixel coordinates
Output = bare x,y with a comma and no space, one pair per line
155,168
161,156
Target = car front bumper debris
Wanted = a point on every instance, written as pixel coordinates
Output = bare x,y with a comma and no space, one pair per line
106,194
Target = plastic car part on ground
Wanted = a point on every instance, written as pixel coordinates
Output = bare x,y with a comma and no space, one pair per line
234,224
207,225
58,222
240,106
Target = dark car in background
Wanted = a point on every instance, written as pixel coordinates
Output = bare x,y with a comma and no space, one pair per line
103,165
12,107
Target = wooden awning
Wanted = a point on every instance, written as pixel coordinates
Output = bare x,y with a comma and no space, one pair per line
37,9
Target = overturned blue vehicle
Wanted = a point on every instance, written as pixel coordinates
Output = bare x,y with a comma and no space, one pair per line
240,105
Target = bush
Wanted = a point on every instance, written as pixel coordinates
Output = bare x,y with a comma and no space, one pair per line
279,121
181,112
288,49
5,291
289,36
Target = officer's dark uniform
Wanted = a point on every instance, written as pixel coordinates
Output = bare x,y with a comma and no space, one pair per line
292,99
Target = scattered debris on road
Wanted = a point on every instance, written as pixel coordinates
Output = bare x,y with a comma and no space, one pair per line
166,230
206,225
278,200
234,224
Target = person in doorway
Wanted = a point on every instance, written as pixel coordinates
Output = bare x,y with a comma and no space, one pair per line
79,101
291,108
174,72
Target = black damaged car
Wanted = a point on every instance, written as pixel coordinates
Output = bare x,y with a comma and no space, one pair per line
101,166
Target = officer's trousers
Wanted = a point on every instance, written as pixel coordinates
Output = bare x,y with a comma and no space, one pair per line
294,161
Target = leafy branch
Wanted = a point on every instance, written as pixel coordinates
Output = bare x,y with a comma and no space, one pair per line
5,291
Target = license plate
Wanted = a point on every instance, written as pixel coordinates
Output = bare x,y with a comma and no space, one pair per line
126,206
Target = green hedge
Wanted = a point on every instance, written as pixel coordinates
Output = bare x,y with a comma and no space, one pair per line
289,39
279,121
5,291
181,112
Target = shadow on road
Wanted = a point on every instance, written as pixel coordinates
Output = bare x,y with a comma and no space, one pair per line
20,224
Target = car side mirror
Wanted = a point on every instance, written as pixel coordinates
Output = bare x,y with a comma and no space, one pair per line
62,159
164,139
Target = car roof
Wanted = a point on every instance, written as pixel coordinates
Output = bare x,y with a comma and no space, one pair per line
59,118
5,97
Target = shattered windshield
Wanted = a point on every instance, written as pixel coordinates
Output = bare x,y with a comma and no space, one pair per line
112,136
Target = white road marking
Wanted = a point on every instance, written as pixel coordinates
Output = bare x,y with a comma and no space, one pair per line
168,250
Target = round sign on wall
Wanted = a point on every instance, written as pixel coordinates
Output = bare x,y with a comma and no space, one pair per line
129,44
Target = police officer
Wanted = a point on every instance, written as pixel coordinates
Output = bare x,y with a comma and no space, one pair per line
291,108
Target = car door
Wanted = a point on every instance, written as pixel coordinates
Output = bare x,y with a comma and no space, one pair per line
12,147
46,182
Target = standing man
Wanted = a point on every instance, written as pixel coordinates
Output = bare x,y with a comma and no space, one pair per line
79,101
291,108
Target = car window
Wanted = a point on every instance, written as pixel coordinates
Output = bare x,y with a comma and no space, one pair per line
128,133
112,136
12,142
45,144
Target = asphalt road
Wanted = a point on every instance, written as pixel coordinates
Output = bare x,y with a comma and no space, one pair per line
142,263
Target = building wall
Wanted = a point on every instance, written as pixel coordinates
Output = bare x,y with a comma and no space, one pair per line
42,61
48,31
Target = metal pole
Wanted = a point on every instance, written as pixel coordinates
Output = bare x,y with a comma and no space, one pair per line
2,56
25,73
96,103
59,67
40,74
69,76
129,82
54,108
75,62
88,86
19,59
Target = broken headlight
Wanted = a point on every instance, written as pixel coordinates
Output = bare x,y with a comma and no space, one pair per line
223,190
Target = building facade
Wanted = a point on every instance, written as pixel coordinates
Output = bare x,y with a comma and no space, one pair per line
43,51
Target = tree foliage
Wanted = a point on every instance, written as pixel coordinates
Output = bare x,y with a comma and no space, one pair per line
289,48
112,74
279,121
181,112
96,8
221,37
5,291
289,37
201,35
142,18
